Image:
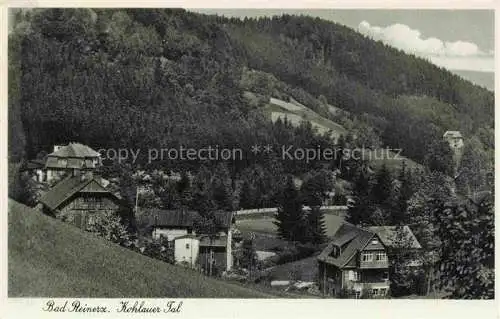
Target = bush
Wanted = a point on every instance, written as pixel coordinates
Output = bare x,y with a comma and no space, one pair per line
160,250
294,253
108,224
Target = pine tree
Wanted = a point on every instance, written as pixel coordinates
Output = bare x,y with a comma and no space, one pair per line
184,183
404,193
289,218
316,227
381,191
247,197
473,169
202,201
222,189
359,212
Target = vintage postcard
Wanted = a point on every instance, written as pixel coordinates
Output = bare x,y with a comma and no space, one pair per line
220,162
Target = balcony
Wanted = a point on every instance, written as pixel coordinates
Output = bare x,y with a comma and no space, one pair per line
381,264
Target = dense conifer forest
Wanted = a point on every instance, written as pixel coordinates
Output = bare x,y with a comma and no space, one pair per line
171,77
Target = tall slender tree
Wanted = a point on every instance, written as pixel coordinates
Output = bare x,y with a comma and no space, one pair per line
290,218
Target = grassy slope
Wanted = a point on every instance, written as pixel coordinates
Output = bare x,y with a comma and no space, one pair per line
48,258
299,111
265,224
377,157
307,269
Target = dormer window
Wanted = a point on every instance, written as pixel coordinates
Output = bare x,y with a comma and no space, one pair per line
336,252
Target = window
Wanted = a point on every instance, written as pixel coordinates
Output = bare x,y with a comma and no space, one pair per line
91,220
374,241
383,291
353,275
381,256
62,161
385,275
94,202
336,251
375,291
187,246
367,257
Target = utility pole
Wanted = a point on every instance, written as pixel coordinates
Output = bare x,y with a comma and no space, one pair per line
211,259
136,199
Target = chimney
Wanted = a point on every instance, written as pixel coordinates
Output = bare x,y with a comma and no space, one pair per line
57,147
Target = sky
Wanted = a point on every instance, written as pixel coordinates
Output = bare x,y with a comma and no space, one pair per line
453,39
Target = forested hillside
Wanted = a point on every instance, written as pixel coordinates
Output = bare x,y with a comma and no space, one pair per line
364,76
170,77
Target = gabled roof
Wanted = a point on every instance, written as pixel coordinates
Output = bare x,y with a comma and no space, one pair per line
75,150
168,218
224,219
70,186
36,163
181,218
388,236
352,238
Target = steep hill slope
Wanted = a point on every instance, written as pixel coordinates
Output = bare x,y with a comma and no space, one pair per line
50,258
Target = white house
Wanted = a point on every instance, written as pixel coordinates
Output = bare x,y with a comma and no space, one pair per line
186,249
176,225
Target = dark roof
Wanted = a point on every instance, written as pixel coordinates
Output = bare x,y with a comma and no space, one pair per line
36,163
68,187
455,134
219,241
75,150
387,235
187,236
168,218
352,238
180,218
224,218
